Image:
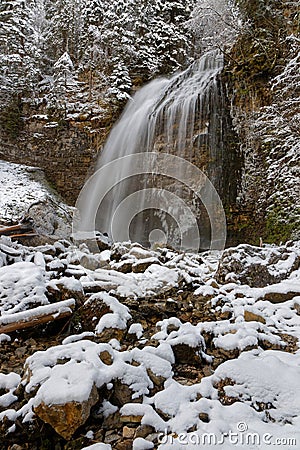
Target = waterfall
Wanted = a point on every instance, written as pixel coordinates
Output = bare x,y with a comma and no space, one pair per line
178,116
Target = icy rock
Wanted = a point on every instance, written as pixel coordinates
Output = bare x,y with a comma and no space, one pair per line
257,266
67,418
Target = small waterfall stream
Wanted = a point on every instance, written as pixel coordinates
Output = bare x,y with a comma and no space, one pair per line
179,116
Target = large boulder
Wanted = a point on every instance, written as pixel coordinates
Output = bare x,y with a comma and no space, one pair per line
257,266
68,417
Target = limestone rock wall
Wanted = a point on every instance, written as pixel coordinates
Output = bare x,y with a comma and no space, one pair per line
65,150
262,83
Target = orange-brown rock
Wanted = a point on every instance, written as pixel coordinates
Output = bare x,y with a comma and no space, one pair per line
67,418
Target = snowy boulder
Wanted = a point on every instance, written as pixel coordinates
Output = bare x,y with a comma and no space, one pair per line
257,266
22,285
185,339
92,240
282,292
141,265
51,218
92,262
68,417
64,382
65,288
128,257
24,191
250,378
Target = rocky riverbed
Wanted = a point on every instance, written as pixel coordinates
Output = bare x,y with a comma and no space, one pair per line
156,348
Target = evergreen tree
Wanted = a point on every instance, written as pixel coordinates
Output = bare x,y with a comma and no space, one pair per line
120,83
21,46
64,84
65,29
13,56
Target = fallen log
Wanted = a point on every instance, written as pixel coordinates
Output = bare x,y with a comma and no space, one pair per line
26,225
14,236
36,316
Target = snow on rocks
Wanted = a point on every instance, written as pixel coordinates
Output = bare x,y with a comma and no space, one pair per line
25,191
9,384
154,280
65,380
22,285
99,446
170,350
258,266
119,316
251,379
185,339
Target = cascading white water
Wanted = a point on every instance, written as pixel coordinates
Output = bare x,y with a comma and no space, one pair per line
177,116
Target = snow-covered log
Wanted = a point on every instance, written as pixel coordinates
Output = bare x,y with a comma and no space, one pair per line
36,316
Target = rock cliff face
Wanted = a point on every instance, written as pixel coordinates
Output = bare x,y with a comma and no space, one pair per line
64,149
262,78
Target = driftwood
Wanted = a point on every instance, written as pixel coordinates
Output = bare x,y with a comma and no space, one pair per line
22,235
36,316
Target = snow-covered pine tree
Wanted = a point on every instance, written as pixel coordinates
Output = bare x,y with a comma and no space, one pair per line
93,59
65,84
20,58
146,37
215,23
120,83
65,29
169,35
14,57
